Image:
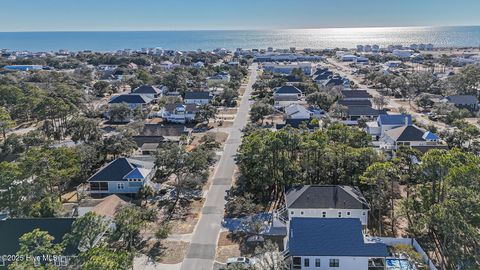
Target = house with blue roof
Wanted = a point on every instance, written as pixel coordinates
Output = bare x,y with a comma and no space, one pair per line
332,243
122,176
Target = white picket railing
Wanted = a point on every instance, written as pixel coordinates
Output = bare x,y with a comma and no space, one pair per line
391,241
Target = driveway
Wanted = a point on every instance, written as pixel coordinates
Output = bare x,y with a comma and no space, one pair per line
201,253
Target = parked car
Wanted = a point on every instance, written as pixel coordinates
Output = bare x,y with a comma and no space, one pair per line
240,260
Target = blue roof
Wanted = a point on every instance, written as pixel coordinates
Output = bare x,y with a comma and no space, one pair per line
430,136
135,174
331,237
394,119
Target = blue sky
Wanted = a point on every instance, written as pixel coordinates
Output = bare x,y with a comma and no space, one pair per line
78,15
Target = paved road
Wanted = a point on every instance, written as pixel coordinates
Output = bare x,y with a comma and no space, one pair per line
201,253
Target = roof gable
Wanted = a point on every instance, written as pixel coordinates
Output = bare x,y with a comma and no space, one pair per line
288,89
322,197
113,171
131,98
146,89
406,133
356,94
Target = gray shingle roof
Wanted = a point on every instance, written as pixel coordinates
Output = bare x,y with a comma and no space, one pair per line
162,130
328,196
395,119
287,89
146,89
355,102
463,99
363,111
356,94
331,237
131,99
118,169
188,107
406,133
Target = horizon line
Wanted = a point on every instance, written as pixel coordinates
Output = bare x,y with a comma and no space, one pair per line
234,29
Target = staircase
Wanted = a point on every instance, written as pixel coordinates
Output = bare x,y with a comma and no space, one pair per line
281,214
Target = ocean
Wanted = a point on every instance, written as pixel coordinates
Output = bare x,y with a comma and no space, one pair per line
459,36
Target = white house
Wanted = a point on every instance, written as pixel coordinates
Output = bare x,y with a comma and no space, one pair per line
122,176
410,136
403,53
331,243
349,58
179,113
198,64
282,101
220,78
149,91
308,68
386,122
329,201
296,111
199,98
166,65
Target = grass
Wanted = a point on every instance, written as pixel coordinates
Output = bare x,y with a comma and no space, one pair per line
226,248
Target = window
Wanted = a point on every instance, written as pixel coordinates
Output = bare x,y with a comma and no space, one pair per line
306,262
334,263
98,186
301,213
317,262
297,263
348,213
364,213
339,214
324,214
292,212
120,186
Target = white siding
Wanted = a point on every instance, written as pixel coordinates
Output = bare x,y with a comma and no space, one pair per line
330,213
345,263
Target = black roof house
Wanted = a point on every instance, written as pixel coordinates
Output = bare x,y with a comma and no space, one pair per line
355,94
287,90
147,89
324,197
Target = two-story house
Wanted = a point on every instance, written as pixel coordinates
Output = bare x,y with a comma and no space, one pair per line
386,122
150,91
122,176
179,113
326,201
410,136
288,90
133,101
198,98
